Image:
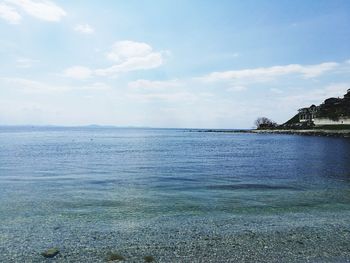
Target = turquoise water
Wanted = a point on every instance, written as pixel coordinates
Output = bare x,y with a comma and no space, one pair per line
178,195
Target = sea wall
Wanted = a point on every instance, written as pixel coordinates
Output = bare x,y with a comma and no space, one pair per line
344,133
326,121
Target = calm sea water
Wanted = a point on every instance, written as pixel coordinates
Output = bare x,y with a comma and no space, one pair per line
88,191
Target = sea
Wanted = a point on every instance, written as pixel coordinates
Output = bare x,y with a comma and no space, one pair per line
172,195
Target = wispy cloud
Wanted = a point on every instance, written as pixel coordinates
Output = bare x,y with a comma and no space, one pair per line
236,88
276,91
143,84
84,29
131,56
9,14
41,9
25,62
315,96
123,50
78,72
150,61
268,73
183,97
128,55
168,90
34,86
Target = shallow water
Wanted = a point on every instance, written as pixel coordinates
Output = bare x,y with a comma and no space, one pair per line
177,195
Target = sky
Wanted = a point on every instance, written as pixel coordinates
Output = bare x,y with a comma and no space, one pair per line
162,63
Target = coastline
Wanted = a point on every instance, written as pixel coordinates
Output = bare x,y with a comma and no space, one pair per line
320,132
309,132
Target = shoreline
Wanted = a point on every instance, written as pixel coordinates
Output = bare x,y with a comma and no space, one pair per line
319,132
259,239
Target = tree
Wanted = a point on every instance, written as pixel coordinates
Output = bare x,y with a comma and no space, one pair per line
265,123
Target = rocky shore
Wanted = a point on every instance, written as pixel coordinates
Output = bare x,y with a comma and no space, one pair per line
302,238
318,132
308,132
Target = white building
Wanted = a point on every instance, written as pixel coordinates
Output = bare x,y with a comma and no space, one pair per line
308,114
311,115
326,121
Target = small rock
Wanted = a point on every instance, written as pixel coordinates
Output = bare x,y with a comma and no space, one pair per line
50,253
115,257
148,258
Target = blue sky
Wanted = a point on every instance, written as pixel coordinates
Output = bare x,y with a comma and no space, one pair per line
205,64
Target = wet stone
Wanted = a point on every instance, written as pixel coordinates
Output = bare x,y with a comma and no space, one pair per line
50,253
148,259
115,257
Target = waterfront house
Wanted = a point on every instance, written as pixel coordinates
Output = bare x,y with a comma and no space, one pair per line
333,111
308,115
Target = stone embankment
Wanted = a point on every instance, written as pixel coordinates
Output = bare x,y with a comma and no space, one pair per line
318,132
309,132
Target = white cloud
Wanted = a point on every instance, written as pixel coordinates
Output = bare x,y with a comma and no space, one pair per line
275,90
143,84
9,14
123,50
34,86
269,73
41,9
97,86
150,61
131,56
169,90
78,72
25,62
84,28
317,96
173,97
29,85
237,88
